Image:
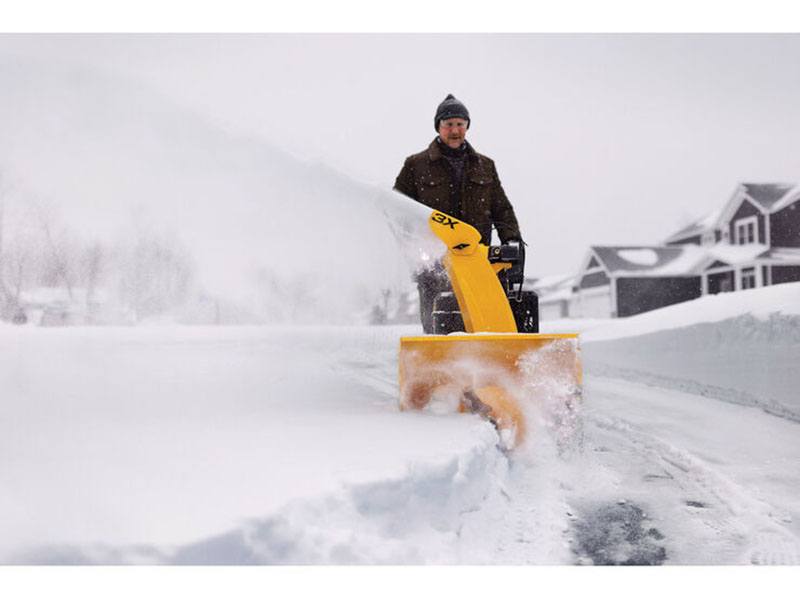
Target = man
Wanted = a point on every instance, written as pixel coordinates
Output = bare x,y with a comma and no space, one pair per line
451,177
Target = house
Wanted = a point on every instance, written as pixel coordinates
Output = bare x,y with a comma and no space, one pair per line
702,232
753,241
554,292
620,281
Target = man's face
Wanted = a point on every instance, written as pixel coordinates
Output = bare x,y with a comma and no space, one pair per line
453,131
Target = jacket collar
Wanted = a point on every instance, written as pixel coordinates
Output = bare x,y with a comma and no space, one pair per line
435,153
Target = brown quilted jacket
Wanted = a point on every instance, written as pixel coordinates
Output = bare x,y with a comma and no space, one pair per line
427,178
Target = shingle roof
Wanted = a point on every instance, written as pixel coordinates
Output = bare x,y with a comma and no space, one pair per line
787,200
676,261
650,260
766,194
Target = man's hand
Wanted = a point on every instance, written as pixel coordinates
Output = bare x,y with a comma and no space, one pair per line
512,249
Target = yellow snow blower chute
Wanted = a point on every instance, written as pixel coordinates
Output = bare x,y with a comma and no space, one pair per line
492,368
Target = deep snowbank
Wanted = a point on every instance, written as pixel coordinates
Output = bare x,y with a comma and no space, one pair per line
412,518
196,445
742,347
155,438
760,303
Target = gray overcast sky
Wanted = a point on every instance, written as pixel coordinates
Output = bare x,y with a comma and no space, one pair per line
599,139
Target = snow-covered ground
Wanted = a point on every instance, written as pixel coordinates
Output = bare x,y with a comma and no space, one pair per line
285,445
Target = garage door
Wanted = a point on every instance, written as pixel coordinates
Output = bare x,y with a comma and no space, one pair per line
594,303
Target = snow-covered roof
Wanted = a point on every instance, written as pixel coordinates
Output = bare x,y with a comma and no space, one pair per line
765,196
698,227
650,261
557,296
787,255
770,197
736,254
554,288
676,261
554,281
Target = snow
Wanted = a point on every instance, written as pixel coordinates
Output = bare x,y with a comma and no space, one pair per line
161,436
690,259
735,255
284,445
251,216
787,254
716,480
562,294
642,256
551,281
685,262
701,225
552,288
173,444
758,302
710,219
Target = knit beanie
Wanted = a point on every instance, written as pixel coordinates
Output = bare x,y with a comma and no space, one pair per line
450,108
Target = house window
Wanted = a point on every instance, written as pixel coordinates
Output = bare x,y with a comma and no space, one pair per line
748,278
746,231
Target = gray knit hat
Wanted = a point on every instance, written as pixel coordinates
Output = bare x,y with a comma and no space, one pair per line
450,108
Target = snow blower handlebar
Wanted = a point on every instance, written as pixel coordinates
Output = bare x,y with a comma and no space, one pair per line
511,257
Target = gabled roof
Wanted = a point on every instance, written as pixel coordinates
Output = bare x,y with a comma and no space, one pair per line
769,197
650,261
766,195
788,199
685,261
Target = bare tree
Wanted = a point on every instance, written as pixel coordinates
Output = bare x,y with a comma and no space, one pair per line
93,266
5,297
156,274
60,251
19,265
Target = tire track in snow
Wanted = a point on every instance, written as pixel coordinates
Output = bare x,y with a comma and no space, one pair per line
689,386
707,517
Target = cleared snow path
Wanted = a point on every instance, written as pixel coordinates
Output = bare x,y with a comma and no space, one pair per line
717,481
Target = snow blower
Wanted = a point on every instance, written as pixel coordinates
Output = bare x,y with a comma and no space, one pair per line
499,365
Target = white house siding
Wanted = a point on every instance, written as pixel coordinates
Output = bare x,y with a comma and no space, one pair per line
592,303
553,310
